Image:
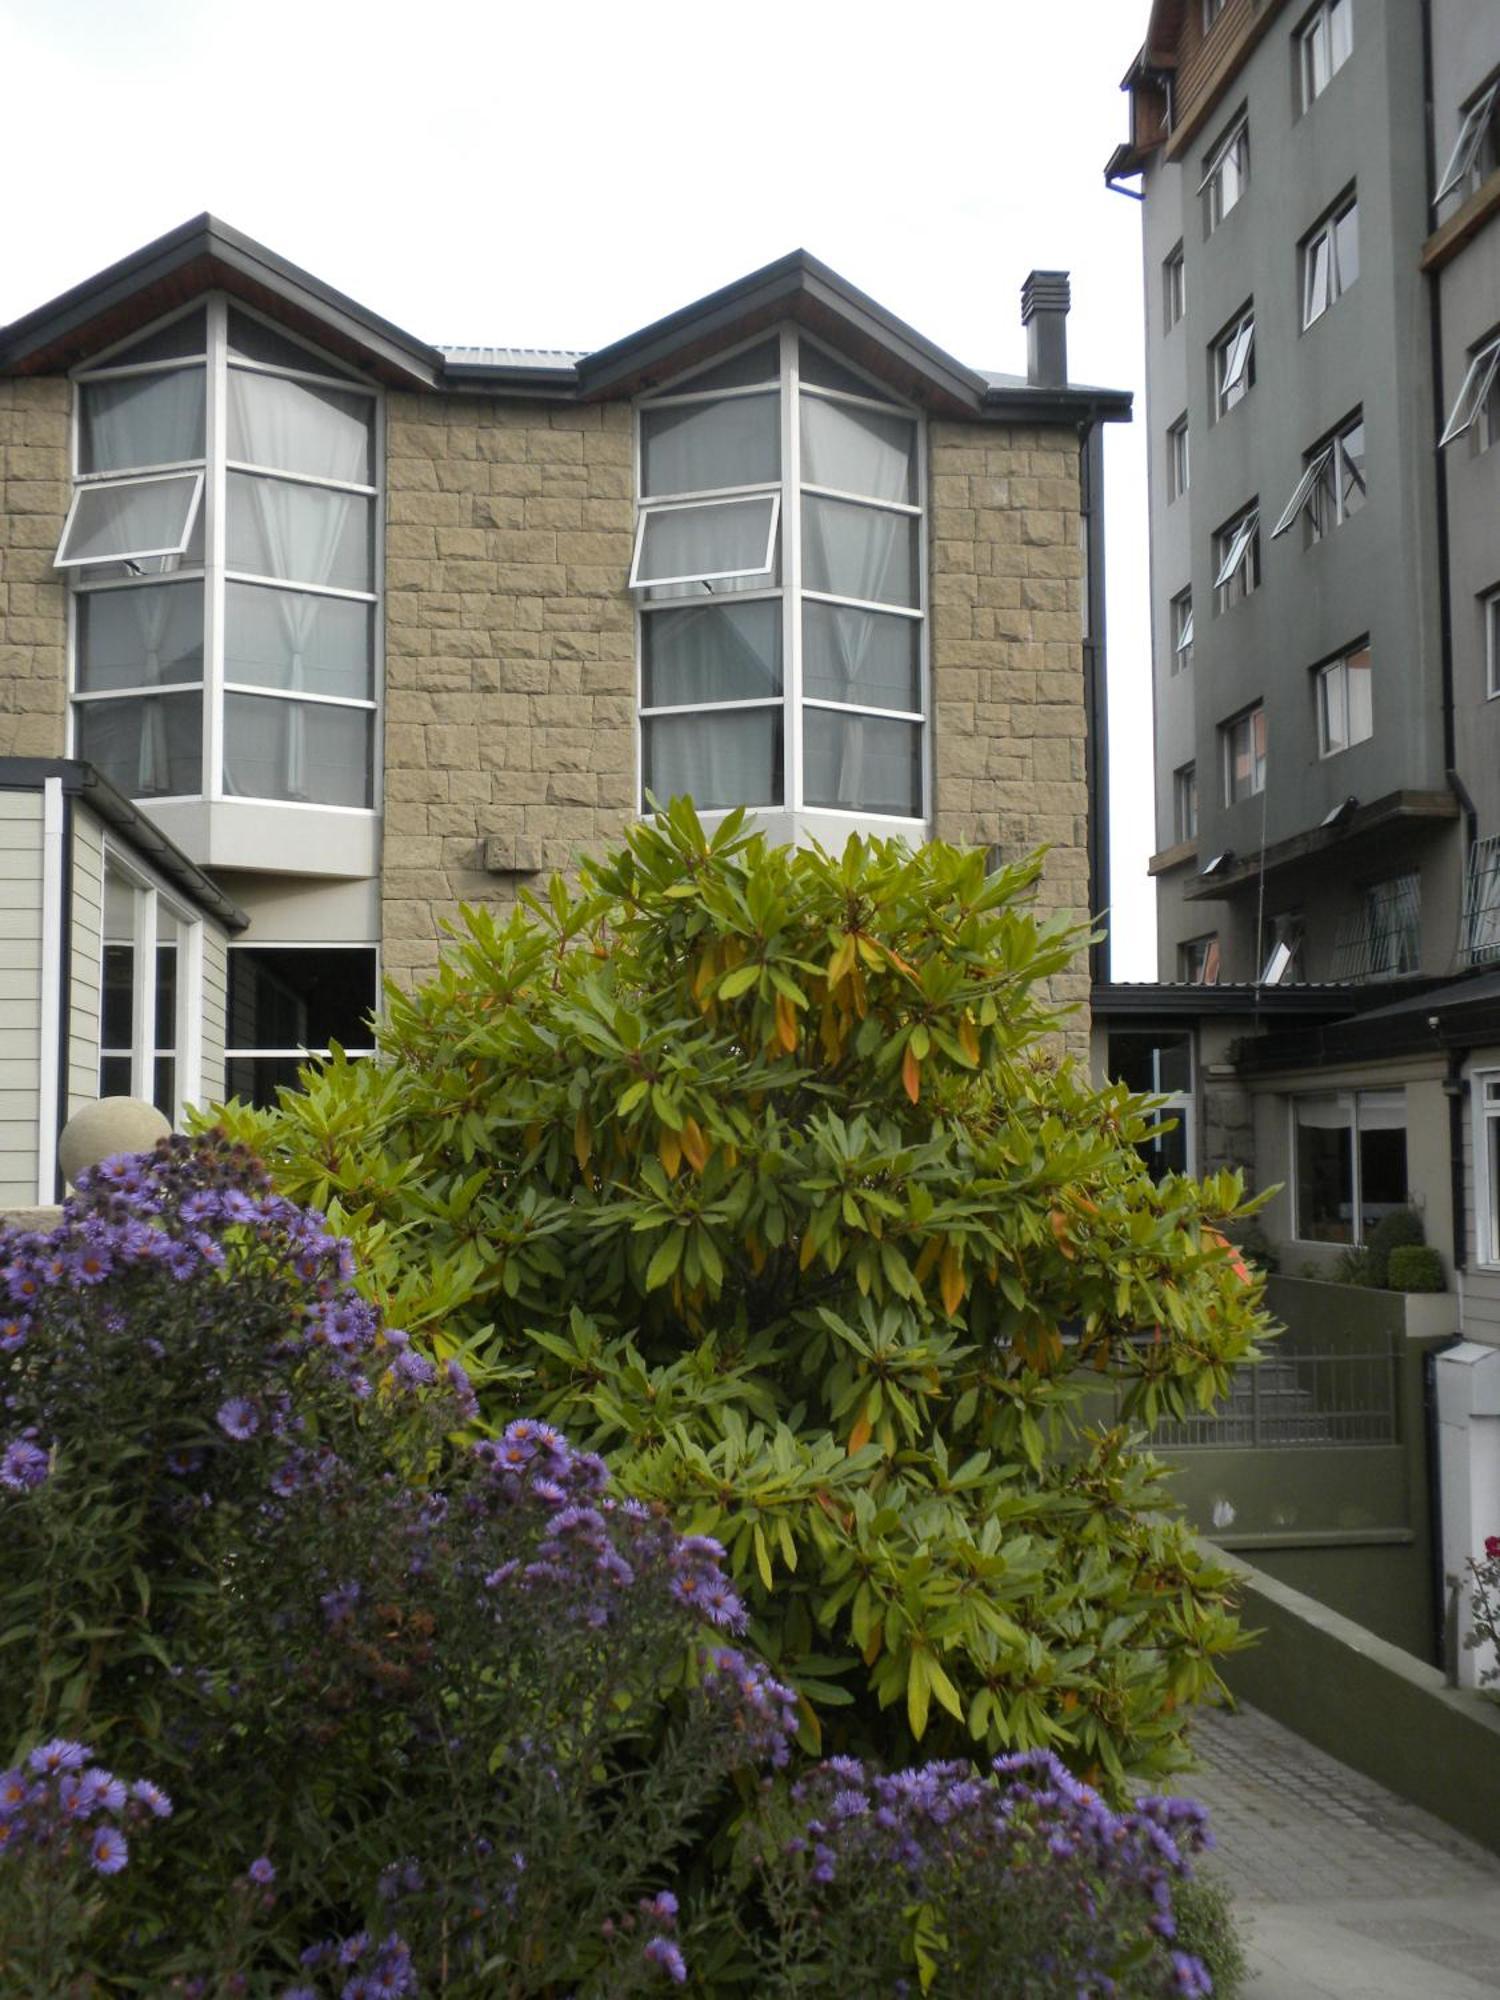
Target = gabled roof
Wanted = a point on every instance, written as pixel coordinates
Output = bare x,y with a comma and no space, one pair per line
206,252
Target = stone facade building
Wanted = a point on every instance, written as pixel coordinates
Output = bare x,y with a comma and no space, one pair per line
353,629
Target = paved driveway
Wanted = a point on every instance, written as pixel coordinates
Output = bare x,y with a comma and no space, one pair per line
1343,1888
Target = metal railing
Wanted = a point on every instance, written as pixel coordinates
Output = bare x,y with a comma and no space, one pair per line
1385,936
1479,940
1307,1394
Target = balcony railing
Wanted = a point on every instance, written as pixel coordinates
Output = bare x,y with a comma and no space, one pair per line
1479,940
1385,936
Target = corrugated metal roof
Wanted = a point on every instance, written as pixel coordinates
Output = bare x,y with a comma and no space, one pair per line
512,357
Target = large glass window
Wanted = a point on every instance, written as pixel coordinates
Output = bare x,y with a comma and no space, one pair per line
1158,1062
1345,711
149,1020
290,1002
1332,485
779,572
1350,1162
1244,741
1226,175
1330,260
1324,44
225,600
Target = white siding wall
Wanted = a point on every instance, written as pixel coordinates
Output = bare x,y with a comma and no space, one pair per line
215,1004
20,993
85,959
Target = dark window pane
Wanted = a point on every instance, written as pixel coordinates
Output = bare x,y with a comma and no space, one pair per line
164,1097
698,447
1325,1171
861,763
259,342
728,758
152,748
114,1076
257,1078
188,335
741,371
137,420
297,750
117,1029
140,638
166,996
1156,1063
1167,1153
288,997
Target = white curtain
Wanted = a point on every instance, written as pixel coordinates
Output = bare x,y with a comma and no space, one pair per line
700,447
857,451
293,427
139,420
864,658
853,551
712,652
860,763
728,759
706,541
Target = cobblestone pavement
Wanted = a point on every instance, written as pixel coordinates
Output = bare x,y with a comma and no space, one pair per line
1343,1889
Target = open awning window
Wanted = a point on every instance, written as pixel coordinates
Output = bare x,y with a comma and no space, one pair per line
705,541
130,520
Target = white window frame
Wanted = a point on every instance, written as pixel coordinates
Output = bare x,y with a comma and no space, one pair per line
1332,697
114,483
1473,394
1235,141
1484,1088
1246,719
1174,287
214,472
1181,609
150,900
1332,456
1316,29
792,702
1349,1099
1471,130
1234,364
1179,465
1185,803
650,509
1324,280
1236,542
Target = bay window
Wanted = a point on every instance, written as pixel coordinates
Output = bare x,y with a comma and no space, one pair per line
779,572
221,546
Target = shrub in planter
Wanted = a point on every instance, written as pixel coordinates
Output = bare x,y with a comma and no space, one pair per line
1415,1267
750,1167
1402,1228
390,1708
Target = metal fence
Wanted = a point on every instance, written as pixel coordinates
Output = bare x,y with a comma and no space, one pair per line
1480,941
1308,1393
1384,936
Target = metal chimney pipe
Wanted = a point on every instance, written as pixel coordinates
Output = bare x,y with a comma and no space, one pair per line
1045,298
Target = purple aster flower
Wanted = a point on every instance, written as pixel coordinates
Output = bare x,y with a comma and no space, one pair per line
108,1853
238,1419
152,1797
262,1870
23,1466
413,1369
13,1790
662,1952
14,1328
58,1755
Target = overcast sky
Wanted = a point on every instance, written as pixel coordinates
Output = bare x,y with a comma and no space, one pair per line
548,176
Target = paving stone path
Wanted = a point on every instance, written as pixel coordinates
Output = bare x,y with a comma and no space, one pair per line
1343,1889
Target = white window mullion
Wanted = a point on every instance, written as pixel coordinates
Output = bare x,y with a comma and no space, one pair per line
217,427
791,569
923,681
143,997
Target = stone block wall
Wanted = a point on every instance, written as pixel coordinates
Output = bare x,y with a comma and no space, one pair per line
510,653
34,493
1007,595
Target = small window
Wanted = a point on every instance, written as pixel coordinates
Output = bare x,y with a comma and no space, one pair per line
1477,406
1182,631
1158,1062
1212,9
1185,803
705,541
1244,755
1234,364
1226,175
290,1002
1486,1090
1381,936
130,520
1174,288
1330,261
1323,45
1332,486
1349,1162
1281,950
1237,558
1489,609
1475,150
1198,961
1177,459
1345,714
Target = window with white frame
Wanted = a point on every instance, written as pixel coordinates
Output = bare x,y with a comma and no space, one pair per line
221,546
1329,257
1324,43
1226,174
1244,740
1477,405
1182,631
1332,485
1476,149
1185,803
1234,363
1349,1162
1198,960
779,574
1281,949
150,988
1485,1088
1237,559
289,1002
1489,611
1345,709
1174,288
1177,459
1158,1062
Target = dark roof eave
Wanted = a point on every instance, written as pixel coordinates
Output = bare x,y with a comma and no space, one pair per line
1071,403
81,780
227,254
1129,999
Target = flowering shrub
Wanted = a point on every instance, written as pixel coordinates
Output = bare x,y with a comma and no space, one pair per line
1019,1884
436,1709
1484,1606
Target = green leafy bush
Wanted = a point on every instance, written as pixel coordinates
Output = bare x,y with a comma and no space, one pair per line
755,1169
1415,1267
1208,1930
1398,1230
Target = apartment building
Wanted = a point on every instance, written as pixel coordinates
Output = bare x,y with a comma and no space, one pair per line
311,631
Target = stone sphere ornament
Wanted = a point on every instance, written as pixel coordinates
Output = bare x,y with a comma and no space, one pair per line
110,1125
